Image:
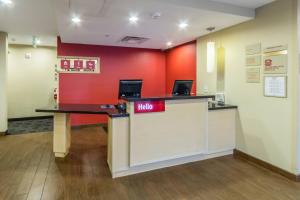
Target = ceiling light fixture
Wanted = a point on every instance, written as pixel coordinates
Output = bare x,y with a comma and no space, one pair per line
210,57
169,44
76,20
38,41
210,54
133,19
35,41
6,2
183,25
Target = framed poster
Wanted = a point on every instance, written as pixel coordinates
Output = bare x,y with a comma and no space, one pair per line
253,60
276,48
253,75
275,86
84,65
276,64
253,49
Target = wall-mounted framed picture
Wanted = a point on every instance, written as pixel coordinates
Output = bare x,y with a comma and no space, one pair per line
276,64
253,75
253,60
275,86
276,49
83,65
253,49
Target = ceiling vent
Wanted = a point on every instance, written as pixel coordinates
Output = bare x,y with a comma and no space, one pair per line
133,40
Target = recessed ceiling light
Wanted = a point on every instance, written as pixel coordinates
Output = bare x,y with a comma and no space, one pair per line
38,41
133,19
169,44
35,41
7,2
76,20
183,25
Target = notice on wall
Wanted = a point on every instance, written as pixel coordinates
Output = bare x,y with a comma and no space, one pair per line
253,60
275,86
253,75
253,55
253,49
276,64
67,64
277,48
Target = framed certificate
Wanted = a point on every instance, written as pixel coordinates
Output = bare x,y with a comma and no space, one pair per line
275,86
253,75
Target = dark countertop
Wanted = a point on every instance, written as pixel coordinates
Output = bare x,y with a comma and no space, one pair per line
83,109
111,112
168,97
219,107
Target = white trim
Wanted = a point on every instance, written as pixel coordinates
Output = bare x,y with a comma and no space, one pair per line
169,163
220,151
168,158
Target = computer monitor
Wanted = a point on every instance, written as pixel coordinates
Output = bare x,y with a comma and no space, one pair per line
130,88
182,87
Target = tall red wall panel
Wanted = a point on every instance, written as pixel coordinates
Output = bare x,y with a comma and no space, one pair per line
158,70
181,65
116,63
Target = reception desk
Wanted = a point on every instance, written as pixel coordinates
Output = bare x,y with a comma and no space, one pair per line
155,132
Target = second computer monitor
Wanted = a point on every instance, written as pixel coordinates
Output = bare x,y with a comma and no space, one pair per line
130,88
182,87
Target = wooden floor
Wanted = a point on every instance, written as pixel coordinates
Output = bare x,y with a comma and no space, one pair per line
28,170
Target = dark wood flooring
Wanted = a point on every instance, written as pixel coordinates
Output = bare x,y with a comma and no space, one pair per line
28,170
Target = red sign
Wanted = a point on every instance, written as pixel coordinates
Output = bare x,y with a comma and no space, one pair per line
78,64
65,64
149,106
90,64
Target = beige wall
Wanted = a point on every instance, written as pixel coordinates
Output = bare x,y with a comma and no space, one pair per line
3,81
267,126
30,81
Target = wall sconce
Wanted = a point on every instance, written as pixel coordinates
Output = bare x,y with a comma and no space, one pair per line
210,57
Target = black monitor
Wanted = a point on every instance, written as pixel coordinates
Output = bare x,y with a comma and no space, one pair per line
130,88
182,87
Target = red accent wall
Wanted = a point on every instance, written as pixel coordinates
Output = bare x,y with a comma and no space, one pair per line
158,70
181,64
116,63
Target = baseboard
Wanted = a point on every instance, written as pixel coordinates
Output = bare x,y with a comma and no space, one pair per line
30,118
244,156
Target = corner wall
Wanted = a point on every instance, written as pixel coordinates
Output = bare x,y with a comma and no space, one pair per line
267,126
30,82
3,80
298,102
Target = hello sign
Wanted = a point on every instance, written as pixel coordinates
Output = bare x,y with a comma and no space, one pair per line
149,106
67,64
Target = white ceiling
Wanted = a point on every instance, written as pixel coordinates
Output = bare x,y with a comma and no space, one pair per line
246,3
105,22
26,18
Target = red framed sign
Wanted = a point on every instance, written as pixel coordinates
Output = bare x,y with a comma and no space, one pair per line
65,64
149,106
72,64
78,64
